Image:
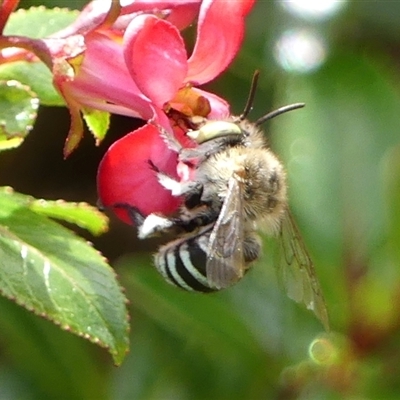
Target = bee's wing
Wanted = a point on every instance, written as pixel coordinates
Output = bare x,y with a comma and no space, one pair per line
296,271
225,261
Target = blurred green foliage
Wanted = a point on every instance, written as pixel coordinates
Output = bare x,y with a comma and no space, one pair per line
342,154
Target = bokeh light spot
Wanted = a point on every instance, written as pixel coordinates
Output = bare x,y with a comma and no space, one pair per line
300,51
314,9
322,351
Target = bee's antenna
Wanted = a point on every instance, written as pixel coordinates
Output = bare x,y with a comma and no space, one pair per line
279,111
250,98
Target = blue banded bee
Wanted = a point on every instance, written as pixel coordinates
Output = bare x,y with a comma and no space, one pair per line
238,188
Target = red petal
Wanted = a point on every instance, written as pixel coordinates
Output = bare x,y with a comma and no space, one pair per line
219,35
180,13
6,8
118,89
156,57
125,175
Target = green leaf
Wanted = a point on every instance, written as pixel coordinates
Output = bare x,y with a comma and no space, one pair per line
55,274
35,75
81,214
18,107
39,22
98,123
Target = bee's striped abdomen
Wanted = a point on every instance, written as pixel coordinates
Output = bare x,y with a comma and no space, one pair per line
182,262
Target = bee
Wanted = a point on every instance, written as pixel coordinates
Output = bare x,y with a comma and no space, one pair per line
233,186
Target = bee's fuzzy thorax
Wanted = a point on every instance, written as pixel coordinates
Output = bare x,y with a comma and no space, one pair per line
264,182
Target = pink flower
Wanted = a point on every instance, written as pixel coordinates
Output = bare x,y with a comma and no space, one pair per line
145,66
132,60
87,58
102,79
157,61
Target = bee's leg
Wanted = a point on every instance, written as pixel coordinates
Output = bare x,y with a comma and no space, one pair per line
154,224
251,248
175,187
193,197
100,205
133,212
169,139
147,226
